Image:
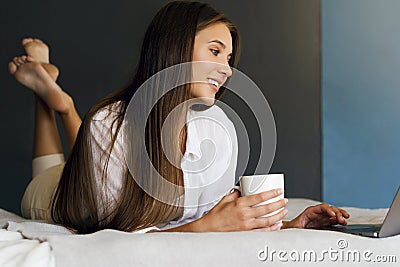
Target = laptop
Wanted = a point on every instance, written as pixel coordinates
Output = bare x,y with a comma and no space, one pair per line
389,227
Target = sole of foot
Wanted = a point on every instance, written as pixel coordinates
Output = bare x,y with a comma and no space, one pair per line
33,75
37,49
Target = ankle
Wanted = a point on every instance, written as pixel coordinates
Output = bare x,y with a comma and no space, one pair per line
40,103
70,106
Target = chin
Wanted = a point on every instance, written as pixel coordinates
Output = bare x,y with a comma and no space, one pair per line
207,100
204,94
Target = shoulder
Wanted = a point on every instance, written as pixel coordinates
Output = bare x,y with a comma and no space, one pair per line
213,113
217,113
108,112
212,122
103,122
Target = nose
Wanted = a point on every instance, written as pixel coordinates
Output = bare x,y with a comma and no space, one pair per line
225,70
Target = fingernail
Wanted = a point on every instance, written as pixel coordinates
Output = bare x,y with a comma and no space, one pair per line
277,226
285,211
286,200
280,191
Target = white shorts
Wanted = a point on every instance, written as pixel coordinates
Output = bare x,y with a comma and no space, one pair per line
46,174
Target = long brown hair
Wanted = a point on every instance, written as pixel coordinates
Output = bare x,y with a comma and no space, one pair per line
169,40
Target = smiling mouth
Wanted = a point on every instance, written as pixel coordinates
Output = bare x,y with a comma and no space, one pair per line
214,84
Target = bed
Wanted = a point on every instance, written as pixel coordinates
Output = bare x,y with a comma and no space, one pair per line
35,243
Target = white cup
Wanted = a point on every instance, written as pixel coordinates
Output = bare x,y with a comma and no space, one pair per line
254,184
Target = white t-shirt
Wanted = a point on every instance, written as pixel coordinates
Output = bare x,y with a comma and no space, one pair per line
208,165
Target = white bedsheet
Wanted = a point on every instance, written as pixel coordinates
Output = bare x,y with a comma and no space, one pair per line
29,243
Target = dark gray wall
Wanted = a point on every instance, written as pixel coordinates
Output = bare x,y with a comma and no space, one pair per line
96,46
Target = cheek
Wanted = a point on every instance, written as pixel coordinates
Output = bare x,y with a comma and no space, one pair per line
201,54
201,70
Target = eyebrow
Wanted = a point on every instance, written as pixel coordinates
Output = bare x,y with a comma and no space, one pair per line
221,43
218,41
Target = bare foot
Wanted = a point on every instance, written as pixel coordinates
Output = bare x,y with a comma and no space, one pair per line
33,75
51,69
37,49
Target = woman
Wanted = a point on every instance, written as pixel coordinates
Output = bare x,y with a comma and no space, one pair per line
96,189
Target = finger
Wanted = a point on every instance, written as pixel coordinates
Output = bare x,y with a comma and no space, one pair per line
235,188
318,211
331,211
267,229
338,214
261,210
334,220
252,200
263,222
345,213
275,227
326,209
230,197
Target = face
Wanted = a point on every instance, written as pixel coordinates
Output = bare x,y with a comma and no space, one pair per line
213,46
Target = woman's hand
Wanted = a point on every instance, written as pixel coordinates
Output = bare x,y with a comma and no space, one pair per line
235,213
317,216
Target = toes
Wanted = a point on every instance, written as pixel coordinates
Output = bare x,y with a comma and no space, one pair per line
38,40
12,68
16,61
26,41
29,59
21,60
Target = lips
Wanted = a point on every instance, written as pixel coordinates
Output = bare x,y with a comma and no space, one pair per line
219,81
214,83
213,87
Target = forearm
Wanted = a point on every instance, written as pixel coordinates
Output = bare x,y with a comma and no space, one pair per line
194,227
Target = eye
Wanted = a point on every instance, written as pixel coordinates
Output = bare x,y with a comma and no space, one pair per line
215,52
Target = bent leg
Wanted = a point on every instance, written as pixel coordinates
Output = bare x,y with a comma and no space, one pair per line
37,199
50,97
71,121
46,138
39,51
